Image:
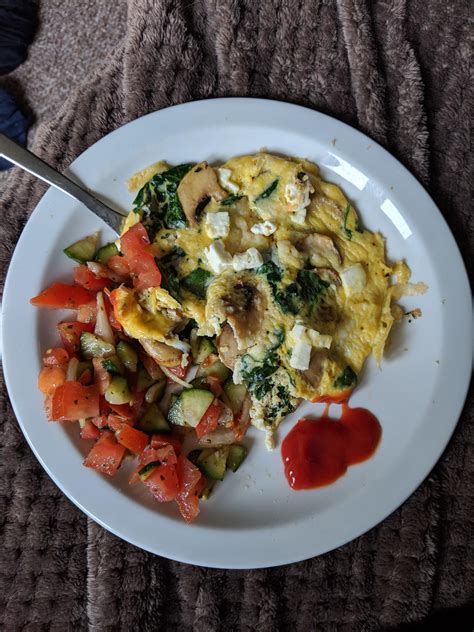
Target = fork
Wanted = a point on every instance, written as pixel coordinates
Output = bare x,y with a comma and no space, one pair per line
28,161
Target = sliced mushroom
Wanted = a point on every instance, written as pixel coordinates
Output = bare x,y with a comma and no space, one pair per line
160,352
314,372
245,310
227,347
196,190
320,249
329,274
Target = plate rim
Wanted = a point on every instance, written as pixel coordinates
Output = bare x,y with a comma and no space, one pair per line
265,103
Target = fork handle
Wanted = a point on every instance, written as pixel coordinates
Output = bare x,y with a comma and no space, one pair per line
23,158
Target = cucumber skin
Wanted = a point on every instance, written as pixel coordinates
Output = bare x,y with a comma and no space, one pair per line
218,369
153,421
213,462
104,253
190,406
236,456
127,355
82,250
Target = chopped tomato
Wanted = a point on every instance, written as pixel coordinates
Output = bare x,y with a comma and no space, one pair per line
118,264
210,360
165,455
137,404
111,314
56,357
87,313
102,377
163,483
71,401
88,280
133,439
144,272
51,377
86,377
122,410
135,242
106,455
189,478
179,371
135,245
210,419
70,333
90,431
61,296
100,421
161,440
115,423
215,385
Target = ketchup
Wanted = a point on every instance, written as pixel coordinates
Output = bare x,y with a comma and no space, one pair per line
318,452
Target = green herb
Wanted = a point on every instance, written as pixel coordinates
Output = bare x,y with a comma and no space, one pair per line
266,194
197,282
347,379
359,228
231,199
158,199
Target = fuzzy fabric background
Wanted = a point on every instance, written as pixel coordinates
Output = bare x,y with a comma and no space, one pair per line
400,71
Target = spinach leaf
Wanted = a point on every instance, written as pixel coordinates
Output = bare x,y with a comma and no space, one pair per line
282,404
312,287
197,282
347,231
287,299
167,266
158,199
231,199
266,194
346,379
271,271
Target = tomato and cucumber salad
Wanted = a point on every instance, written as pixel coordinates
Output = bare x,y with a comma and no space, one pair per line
135,397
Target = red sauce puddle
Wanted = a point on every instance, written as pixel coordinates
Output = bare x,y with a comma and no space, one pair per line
318,452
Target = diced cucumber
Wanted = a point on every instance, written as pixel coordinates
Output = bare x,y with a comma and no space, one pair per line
153,421
155,392
212,462
190,406
84,249
194,341
118,391
94,347
201,347
217,369
236,394
206,347
107,251
127,355
206,492
113,365
237,454
144,380
197,282
146,470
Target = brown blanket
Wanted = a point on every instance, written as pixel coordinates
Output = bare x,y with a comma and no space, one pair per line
398,70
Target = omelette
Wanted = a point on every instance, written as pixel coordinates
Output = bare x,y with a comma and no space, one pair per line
273,266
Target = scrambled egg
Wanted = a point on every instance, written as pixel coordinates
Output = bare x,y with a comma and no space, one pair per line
273,263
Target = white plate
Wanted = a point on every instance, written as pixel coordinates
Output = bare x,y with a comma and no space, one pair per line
253,519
